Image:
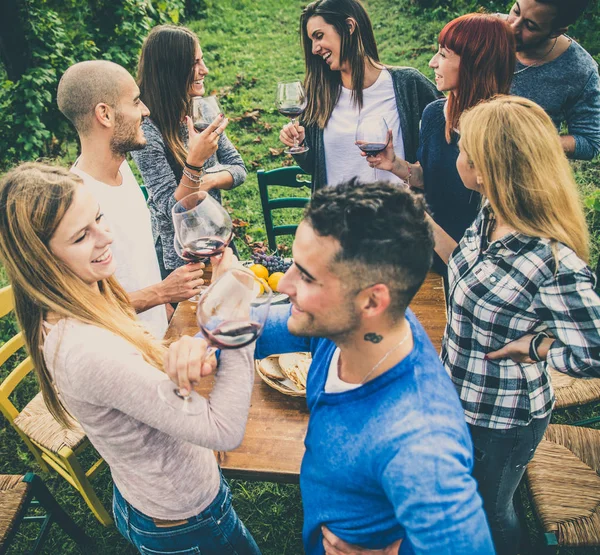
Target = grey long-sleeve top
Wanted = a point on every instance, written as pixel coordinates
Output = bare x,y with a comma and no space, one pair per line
568,88
162,174
161,459
413,92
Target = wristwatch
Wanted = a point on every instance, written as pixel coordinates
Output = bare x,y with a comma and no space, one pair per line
536,341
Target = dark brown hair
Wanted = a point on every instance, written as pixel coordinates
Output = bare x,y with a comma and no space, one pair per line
323,86
383,235
567,11
164,77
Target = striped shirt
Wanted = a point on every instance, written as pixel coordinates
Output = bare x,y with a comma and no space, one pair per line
501,291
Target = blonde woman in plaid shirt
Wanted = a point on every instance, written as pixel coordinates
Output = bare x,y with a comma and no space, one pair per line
521,295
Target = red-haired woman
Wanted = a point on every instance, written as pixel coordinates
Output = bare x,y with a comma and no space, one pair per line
475,61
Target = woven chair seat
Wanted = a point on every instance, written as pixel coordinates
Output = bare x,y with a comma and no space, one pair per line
571,391
565,486
37,423
12,496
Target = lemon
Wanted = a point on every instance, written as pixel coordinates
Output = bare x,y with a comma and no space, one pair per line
274,280
259,286
259,271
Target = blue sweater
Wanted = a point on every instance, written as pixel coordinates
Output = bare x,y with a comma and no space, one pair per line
391,459
454,206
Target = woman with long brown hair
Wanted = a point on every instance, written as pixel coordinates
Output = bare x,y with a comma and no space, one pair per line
177,160
521,295
346,81
475,61
96,363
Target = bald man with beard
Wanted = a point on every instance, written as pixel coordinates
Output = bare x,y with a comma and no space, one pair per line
102,101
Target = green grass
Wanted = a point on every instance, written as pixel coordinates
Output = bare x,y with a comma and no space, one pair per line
249,46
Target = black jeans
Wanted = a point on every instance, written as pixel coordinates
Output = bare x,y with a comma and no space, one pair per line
500,460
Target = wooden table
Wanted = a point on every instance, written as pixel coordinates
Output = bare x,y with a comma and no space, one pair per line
273,445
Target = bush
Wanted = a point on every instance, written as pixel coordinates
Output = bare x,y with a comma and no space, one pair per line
59,33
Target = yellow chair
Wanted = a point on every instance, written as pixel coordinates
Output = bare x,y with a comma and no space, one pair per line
51,443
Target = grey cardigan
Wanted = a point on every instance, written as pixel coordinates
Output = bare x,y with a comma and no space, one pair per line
161,174
413,92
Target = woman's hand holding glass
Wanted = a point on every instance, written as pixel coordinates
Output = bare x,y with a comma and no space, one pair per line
384,159
389,161
291,133
223,262
186,362
201,146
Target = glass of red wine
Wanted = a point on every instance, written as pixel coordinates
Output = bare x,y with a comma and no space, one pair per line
372,136
231,314
291,102
203,111
202,226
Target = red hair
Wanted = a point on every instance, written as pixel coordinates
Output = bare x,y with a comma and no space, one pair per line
486,46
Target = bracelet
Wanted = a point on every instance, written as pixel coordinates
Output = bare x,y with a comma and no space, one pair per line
536,341
194,168
193,178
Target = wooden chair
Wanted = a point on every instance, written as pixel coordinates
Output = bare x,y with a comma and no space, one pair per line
51,444
564,485
291,176
17,495
571,391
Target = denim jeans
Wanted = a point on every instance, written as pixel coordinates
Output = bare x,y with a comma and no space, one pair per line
215,531
500,460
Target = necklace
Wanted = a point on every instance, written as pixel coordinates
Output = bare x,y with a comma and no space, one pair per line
539,61
382,360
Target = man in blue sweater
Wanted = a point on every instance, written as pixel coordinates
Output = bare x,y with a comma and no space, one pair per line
556,72
388,456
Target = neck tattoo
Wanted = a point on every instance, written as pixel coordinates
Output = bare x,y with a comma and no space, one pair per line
373,337
540,60
384,357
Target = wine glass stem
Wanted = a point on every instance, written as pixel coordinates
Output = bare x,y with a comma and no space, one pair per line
295,136
210,350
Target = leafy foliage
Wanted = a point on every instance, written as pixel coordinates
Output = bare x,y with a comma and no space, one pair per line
585,30
61,33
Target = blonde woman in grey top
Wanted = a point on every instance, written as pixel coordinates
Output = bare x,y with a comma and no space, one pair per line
177,160
96,363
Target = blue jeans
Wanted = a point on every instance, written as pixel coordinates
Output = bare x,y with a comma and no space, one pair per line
500,460
217,530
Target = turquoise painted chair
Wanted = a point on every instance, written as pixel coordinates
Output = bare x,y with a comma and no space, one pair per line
292,176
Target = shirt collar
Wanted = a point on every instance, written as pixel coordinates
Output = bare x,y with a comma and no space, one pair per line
514,242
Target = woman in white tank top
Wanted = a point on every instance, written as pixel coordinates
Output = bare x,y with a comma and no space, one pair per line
344,81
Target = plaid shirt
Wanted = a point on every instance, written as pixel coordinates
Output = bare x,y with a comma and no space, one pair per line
500,292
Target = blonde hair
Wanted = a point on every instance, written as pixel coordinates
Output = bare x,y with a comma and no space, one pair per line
33,200
524,171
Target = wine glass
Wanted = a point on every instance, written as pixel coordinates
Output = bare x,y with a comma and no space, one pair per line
231,314
202,226
203,111
291,102
203,229
372,136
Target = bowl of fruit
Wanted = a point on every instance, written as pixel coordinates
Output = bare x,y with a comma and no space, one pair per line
269,269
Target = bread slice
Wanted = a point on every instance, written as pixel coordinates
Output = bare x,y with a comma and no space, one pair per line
270,367
295,366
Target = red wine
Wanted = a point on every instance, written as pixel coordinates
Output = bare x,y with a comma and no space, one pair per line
372,149
203,248
200,126
233,335
292,112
